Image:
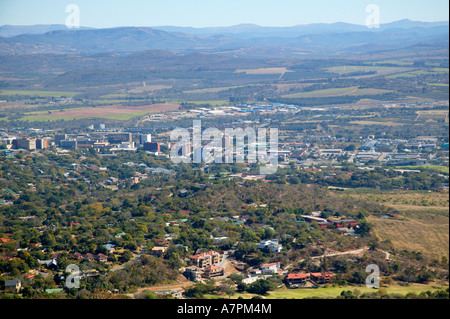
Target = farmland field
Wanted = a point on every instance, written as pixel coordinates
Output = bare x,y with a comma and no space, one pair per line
432,115
211,90
347,91
436,168
263,71
380,70
419,72
38,93
115,112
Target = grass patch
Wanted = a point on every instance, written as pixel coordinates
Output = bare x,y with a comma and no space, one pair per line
39,93
333,292
348,91
212,103
436,168
424,230
211,90
433,71
263,71
52,118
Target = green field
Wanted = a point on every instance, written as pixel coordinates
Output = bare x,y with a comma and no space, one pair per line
211,90
212,103
333,292
381,70
119,117
394,62
437,168
433,71
348,91
438,84
38,93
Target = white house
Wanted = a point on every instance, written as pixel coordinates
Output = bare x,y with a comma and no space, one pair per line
270,244
270,268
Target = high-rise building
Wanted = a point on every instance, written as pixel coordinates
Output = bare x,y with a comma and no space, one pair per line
117,138
152,147
60,137
69,144
25,143
145,138
42,143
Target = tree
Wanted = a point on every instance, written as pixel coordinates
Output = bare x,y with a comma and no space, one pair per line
260,287
364,228
126,256
227,289
150,295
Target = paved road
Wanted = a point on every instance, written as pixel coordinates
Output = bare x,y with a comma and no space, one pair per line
115,268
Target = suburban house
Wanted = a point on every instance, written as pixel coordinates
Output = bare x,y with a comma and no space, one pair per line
213,271
321,278
324,223
175,293
270,245
158,251
89,256
109,248
206,259
51,264
344,223
192,273
102,258
13,285
270,268
297,280
308,279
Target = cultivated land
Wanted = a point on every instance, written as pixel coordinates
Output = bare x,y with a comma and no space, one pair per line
349,91
263,71
38,93
116,112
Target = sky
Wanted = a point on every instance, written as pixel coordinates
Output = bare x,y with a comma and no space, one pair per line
213,13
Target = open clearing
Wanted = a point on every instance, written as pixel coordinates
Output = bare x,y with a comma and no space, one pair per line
115,112
333,292
432,115
347,91
262,71
426,231
422,223
380,70
376,123
211,90
39,93
433,71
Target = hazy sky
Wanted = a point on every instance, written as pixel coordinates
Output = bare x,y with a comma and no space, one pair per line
202,13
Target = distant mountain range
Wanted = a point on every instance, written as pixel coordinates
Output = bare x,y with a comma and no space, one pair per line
240,40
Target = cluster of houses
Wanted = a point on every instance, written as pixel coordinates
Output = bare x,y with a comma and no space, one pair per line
205,266
304,280
343,226
98,257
